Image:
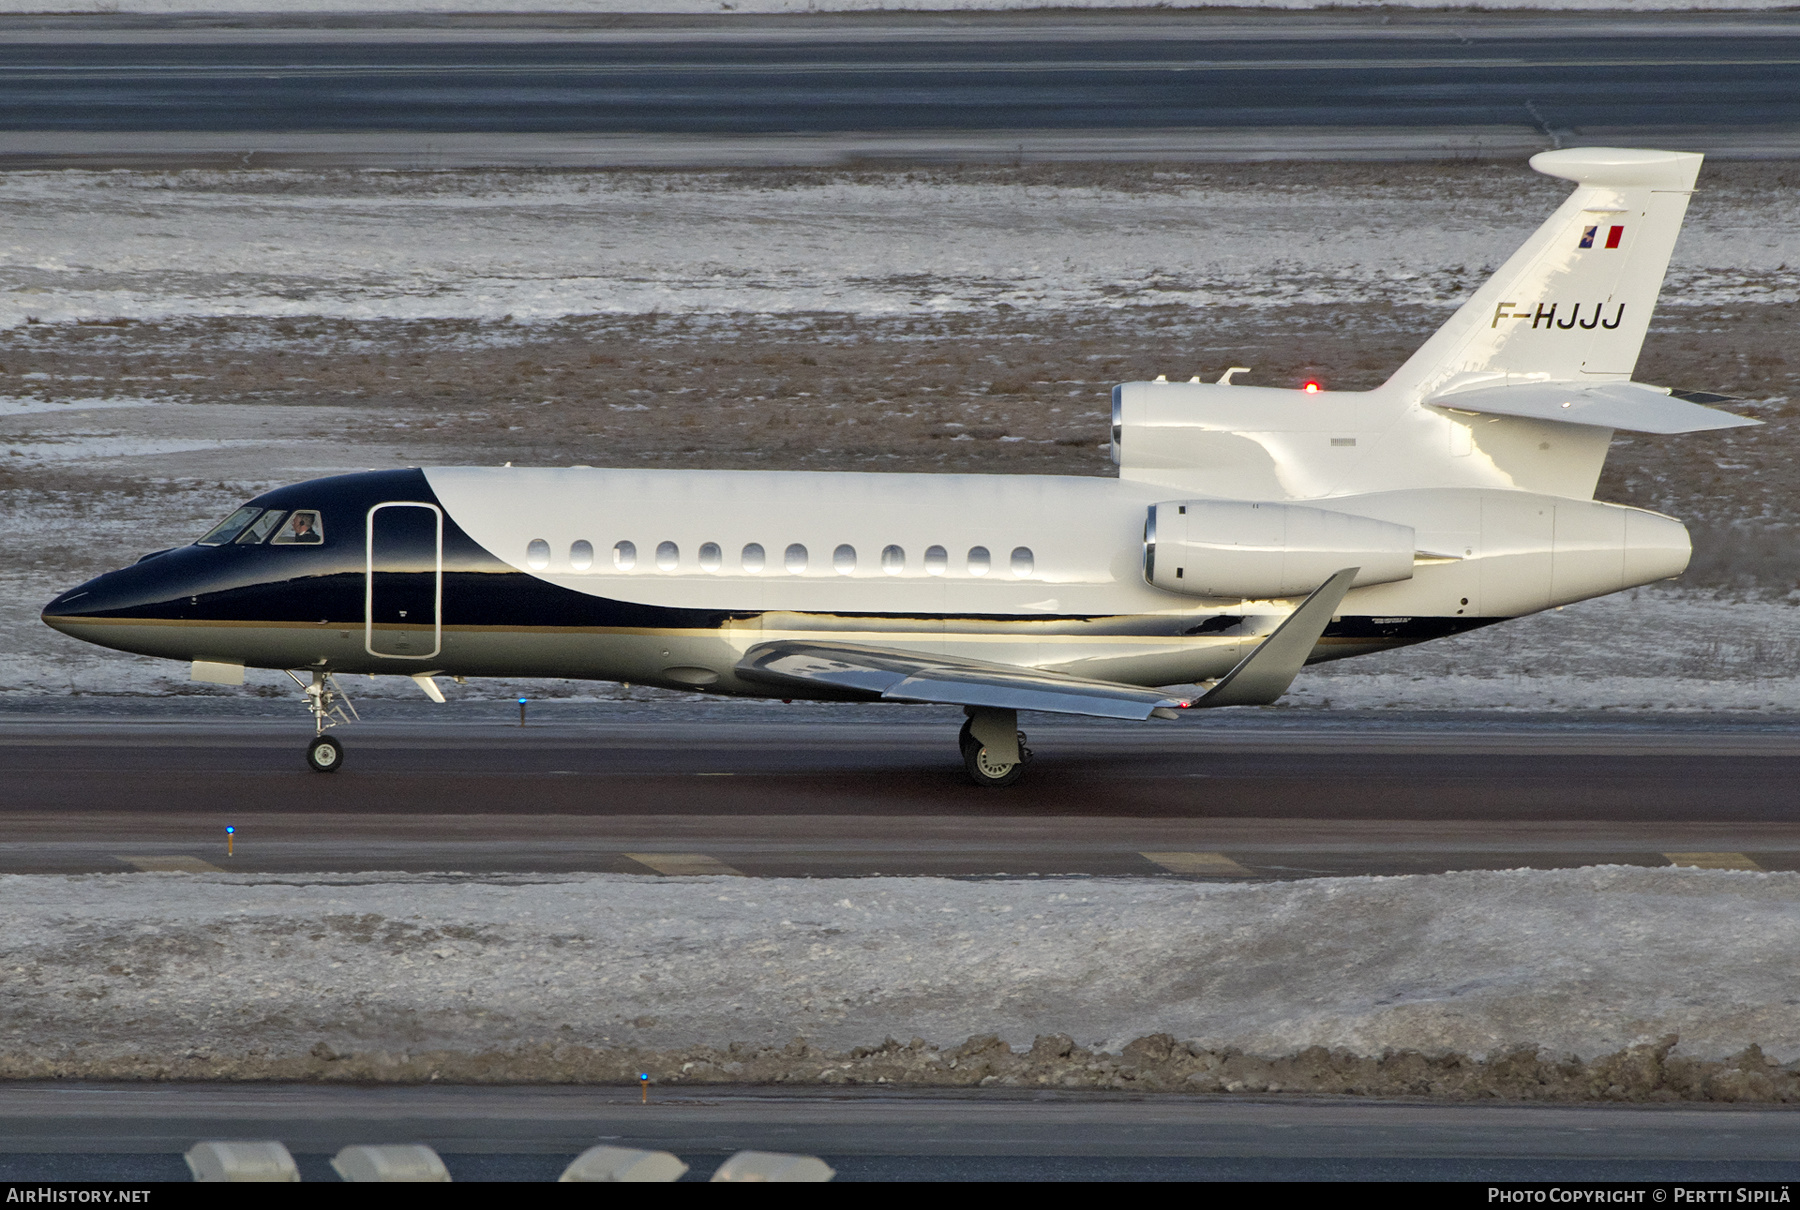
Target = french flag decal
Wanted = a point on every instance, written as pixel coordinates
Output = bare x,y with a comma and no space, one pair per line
1613,236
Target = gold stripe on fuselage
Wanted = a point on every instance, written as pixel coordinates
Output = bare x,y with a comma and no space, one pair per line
753,635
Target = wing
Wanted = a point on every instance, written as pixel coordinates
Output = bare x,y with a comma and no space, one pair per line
1265,674
878,673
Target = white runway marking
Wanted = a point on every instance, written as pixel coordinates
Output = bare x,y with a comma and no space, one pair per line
1713,861
171,865
683,863
1215,864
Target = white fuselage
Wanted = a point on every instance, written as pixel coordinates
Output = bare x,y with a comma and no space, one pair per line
1043,571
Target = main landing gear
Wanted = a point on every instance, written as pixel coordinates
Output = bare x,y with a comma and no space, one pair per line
993,747
330,707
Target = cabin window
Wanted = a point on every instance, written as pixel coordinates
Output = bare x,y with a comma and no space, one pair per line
667,556
794,559
261,528
979,561
843,560
581,554
710,557
230,527
752,558
1022,562
625,555
937,561
303,528
537,554
893,560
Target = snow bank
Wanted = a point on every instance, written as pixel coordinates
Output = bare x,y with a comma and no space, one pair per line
1582,962
1657,648
539,246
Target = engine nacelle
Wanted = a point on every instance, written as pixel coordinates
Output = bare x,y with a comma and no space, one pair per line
1232,548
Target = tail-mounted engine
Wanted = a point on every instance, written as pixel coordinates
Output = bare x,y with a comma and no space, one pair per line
1230,548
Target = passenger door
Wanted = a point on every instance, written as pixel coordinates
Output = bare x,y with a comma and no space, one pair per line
403,592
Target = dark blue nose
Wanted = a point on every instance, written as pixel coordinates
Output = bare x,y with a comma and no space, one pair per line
113,610
152,581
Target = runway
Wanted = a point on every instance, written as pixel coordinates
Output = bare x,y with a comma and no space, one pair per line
929,88
750,790
124,1132
993,76
734,790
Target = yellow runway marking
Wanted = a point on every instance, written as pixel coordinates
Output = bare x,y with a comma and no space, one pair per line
683,863
1713,861
170,865
1215,864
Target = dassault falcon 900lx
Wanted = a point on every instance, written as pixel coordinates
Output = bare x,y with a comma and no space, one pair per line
1250,531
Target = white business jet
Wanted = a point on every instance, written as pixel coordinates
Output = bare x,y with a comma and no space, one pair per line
1249,532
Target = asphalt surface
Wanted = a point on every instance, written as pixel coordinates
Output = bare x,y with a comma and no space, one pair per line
890,74
745,789
813,792
102,1132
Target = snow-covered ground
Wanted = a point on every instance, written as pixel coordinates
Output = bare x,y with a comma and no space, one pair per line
1656,648
1579,962
373,245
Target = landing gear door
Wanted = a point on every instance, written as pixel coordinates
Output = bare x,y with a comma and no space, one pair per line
403,586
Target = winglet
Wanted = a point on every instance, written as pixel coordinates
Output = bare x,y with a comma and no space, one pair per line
1265,674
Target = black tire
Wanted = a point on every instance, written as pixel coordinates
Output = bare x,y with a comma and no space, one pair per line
325,755
991,776
965,737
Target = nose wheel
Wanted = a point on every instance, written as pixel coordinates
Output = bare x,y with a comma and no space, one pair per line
330,707
325,754
993,748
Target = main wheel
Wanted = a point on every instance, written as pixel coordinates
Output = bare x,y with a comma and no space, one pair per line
966,737
985,772
325,754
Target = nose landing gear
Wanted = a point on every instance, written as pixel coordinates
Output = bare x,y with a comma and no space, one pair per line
331,707
325,754
993,748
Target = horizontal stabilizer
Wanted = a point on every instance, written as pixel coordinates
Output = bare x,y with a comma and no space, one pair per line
1631,406
1265,674
878,673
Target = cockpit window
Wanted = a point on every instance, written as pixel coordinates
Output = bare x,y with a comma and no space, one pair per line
261,528
302,529
230,527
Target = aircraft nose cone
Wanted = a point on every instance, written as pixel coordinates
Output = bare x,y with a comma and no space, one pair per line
70,604
120,592
130,609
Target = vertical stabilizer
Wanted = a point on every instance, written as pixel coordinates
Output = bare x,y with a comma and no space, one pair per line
1573,303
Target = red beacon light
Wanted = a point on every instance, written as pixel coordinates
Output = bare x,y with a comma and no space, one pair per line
1311,388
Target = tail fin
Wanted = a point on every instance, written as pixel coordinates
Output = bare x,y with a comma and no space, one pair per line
1573,303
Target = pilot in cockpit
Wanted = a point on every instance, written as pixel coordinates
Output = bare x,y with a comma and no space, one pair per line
302,529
